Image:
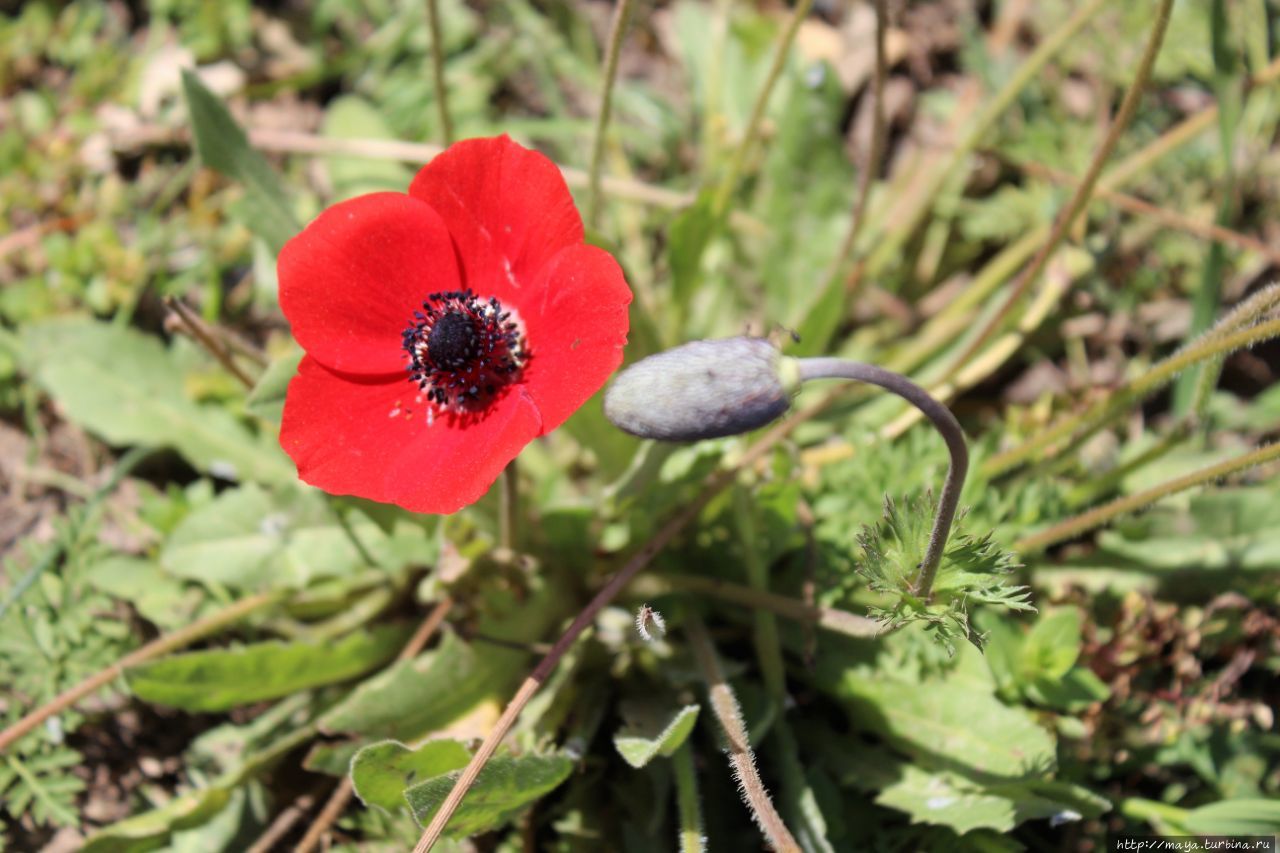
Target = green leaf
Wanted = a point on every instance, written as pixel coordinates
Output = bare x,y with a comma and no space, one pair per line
247,538
427,693
504,787
1076,690
945,798
653,731
953,717
126,388
266,400
158,597
1235,817
352,117
380,772
1052,645
219,679
223,146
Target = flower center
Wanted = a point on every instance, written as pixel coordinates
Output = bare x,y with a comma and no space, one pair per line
463,350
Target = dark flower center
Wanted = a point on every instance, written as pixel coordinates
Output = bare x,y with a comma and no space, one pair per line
463,350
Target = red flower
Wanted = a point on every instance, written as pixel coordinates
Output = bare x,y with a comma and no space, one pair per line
446,328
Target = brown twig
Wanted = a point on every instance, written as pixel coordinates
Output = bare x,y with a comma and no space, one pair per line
286,820
341,796
198,330
741,757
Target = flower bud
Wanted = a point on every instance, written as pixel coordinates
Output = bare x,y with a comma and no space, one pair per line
704,389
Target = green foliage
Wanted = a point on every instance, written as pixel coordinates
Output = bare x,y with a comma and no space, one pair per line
972,571
223,146
505,787
221,679
969,723
651,732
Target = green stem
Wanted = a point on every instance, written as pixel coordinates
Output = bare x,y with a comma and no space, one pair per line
509,507
692,838
621,13
1211,345
437,70
738,162
1084,191
1099,516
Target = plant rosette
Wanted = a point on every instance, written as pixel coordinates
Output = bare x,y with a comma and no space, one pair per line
445,328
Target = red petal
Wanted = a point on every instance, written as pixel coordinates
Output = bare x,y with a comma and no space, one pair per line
353,435
576,331
350,282
508,209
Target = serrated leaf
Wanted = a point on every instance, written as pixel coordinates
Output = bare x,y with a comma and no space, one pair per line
125,387
382,771
219,679
653,732
266,400
503,789
223,146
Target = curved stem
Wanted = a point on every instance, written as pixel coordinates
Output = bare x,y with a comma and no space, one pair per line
943,420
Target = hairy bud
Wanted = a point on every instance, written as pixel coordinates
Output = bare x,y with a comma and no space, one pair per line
704,389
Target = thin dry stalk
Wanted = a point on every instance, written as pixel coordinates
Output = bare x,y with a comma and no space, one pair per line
741,757
196,327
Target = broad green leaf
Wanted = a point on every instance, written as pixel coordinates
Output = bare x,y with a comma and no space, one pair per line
1235,817
266,400
223,146
1230,529
219,679
946,798
126,388
1052,645
412,698
954,718
1074,691
654,731
352,117
504,787
380,772
246,538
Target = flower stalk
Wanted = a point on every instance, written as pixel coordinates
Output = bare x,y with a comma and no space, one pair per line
741,757
437,69
621,14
